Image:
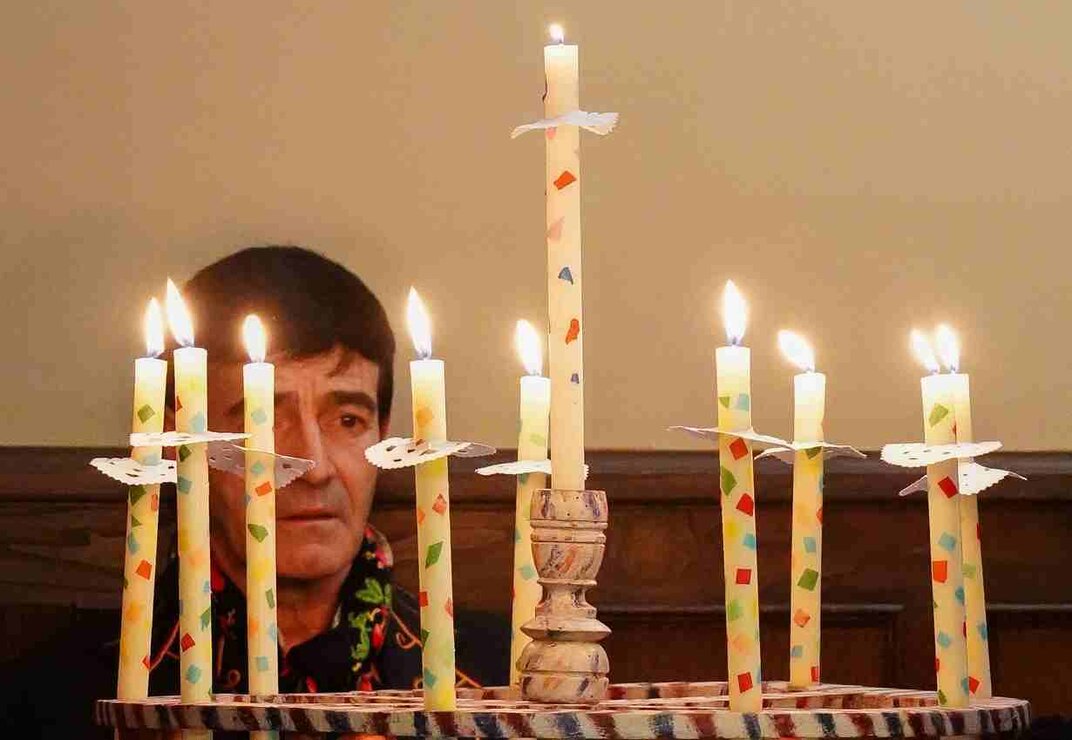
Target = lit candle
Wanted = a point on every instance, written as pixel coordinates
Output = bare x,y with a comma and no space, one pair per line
565,326
143,504
979,683
733,373
261,628
947,585
531,445
195,593
805,602
433,516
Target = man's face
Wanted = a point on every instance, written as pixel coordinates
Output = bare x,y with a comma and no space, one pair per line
325,410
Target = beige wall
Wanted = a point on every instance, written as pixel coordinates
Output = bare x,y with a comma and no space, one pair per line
857,167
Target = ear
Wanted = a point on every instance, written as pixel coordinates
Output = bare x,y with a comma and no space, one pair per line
385,426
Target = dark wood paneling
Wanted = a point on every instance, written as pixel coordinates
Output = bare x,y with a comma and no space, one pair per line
660,589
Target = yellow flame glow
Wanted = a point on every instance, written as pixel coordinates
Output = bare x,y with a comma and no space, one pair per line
182,326
255,338
527,342
154,329
924,352
420,326
556,32
734,313
948,347
797,350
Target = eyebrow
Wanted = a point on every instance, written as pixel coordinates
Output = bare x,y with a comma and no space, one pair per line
339,398
357,398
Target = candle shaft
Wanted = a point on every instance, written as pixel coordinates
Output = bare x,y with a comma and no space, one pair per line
195,594
531,445
738,529
261,627
979,681
565,320
947,585
433,538
809,398
139,569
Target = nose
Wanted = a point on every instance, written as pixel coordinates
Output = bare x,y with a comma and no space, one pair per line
310,444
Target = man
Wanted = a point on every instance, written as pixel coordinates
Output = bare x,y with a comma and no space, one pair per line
341,624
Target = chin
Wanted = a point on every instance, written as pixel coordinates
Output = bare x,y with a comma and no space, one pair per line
309,550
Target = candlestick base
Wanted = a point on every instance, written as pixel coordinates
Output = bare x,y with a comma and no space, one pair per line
565,663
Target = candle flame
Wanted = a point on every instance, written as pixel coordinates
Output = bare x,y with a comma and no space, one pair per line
420,326
948,347
734,313
527,341
154,329
182,327
924,352
255,338
556,32
797,350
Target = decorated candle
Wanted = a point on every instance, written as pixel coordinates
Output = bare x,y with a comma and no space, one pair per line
531,445
809,400
143,504
733,377
947,585
566,338
436,595
262,633
195,590
979,683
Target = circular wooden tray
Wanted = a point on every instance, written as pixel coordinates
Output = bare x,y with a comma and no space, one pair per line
630,712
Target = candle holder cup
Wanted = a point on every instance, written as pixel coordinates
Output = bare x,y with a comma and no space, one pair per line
565,663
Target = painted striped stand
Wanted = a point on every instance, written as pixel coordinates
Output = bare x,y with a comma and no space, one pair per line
630,712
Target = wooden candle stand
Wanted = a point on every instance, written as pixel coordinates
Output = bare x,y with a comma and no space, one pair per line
564,663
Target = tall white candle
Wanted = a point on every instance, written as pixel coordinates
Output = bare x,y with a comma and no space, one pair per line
565,320
979,681
943,505
143,505
531,445
739,545
433,517
809,401
262,632
195,591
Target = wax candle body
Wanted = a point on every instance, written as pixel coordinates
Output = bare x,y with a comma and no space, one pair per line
433,538
531,445
738,529
139,569
261,628
195,591
565,320
809,395
979,682
947,586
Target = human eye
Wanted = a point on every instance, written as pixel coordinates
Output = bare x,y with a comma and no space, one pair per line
353,420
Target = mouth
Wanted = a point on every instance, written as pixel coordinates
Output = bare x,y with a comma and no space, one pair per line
308,515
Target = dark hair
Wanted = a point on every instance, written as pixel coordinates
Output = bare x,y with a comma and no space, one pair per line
309,303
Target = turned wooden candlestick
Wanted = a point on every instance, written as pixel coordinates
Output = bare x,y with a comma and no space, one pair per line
565,663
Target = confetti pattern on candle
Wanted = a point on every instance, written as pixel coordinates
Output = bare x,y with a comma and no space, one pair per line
433,539
534,416
563,225
947,583
736,483
974,592
150,378
806,569
193,527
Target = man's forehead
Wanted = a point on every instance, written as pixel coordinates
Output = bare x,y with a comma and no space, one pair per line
337,366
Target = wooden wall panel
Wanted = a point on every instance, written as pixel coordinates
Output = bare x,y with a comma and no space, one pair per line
660,589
